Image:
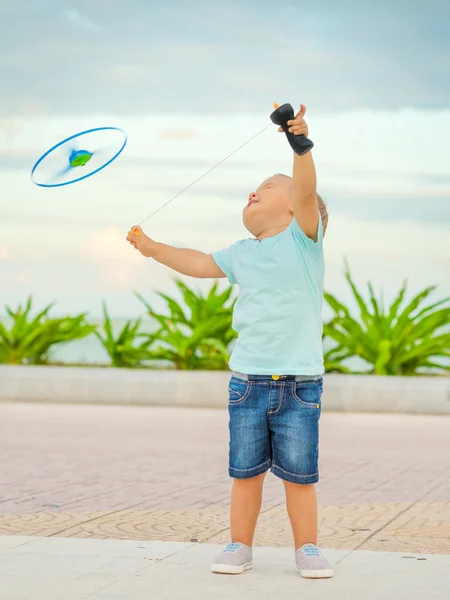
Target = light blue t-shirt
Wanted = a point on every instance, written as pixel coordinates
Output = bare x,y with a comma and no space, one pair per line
278,314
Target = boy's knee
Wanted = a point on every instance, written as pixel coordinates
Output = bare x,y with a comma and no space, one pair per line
259,479
299,487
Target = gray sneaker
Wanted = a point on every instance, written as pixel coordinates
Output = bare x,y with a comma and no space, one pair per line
233,560
311,563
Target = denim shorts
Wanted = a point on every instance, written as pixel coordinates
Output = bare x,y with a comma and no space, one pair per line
274,424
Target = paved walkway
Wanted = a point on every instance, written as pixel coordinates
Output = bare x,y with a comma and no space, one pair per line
160,474
74,569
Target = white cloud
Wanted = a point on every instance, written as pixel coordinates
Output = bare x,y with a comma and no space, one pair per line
118,264
4,253
402,241
76,18
126,74
387,254
24,278
108,245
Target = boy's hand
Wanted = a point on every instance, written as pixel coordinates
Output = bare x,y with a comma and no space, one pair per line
298,124
140,241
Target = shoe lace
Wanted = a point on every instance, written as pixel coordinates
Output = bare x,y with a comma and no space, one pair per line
311,551
232,548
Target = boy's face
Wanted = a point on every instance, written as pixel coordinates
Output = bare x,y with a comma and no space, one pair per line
270,207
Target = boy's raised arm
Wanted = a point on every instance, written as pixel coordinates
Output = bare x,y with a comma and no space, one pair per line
187,262
304,185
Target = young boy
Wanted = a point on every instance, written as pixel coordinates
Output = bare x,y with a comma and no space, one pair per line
276,386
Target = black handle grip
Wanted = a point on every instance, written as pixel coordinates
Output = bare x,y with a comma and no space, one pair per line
300,144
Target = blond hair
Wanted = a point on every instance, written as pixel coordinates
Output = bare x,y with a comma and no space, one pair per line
323,213
322,206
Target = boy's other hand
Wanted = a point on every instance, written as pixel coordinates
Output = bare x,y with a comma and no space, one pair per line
298,125
140,241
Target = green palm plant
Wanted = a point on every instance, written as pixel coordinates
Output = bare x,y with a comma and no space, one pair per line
189,349
28,340
129,347
197,336
404,339
333,360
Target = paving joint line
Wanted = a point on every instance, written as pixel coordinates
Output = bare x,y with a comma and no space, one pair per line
155,561
396,516
102,516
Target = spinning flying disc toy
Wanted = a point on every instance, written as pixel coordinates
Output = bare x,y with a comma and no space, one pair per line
78,157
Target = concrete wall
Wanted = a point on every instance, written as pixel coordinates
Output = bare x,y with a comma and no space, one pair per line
208,389
371,393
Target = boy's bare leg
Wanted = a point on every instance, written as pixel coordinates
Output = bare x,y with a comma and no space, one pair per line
246,500
301,503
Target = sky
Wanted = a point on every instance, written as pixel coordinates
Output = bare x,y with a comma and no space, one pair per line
190,82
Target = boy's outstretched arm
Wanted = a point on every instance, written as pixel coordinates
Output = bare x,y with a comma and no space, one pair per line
304,184
187,262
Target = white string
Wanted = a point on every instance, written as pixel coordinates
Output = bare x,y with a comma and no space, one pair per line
204,174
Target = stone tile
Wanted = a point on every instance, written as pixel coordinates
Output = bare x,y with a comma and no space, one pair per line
161,474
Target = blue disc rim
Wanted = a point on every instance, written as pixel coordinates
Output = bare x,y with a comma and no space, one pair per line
76,135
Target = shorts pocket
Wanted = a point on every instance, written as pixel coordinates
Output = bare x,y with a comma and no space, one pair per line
238,390
308,393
